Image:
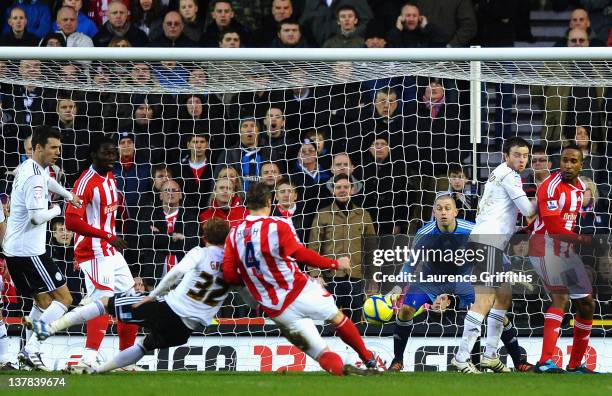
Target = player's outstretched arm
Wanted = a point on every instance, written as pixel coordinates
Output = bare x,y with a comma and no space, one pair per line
525,206
57,188
292,247
75,223
314,259
175,274
36,203
41,216
514,187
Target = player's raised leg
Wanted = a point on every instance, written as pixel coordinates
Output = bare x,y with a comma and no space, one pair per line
86,313
79,315
254,248
347,331
104,278
51,304
296,324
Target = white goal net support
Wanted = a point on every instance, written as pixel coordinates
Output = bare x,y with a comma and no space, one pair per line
403,124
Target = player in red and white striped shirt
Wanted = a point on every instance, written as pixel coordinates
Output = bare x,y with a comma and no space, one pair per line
552,253
262,252
96,247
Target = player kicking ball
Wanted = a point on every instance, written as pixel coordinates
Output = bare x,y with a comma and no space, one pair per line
552,252
190,306
444,232
262,253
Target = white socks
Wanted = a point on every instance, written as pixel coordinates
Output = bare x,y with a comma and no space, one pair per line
55,310
471,331
35,315
495,327
124,358
79,315
4,344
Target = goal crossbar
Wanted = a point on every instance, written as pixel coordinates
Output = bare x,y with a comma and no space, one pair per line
311,54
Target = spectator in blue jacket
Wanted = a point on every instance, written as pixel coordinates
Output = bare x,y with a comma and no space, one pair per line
133,176
37,13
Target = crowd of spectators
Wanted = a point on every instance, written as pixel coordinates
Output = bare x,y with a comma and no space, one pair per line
342,160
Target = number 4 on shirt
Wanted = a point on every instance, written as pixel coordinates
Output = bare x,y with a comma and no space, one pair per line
250,259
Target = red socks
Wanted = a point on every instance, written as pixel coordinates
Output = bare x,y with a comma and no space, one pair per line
332,363
127,334
96,330
350,335
582,332
552,326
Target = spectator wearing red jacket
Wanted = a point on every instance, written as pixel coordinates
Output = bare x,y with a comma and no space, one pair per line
225,204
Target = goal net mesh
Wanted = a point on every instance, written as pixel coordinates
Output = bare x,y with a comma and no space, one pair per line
400,130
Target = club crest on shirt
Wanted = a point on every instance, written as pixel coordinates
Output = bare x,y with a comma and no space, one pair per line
552,205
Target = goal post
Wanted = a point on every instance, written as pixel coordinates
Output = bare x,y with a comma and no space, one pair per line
401,122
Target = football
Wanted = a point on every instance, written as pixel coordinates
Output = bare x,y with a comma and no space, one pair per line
378,309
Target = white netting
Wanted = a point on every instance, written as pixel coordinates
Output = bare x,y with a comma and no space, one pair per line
242,76
419,110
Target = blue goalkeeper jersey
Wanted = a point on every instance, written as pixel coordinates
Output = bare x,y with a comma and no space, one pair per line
430,240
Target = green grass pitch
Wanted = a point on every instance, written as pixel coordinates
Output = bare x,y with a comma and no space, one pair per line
318,384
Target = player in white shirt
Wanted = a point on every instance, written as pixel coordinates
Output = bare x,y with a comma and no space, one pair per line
191,306
32,270
501,202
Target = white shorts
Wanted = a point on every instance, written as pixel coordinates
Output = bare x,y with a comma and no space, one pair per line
106,276
563,275
296,321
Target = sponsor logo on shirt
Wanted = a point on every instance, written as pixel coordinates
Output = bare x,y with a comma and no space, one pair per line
110,208
569,216
38,192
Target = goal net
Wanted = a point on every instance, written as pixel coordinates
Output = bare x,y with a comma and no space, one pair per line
195,134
